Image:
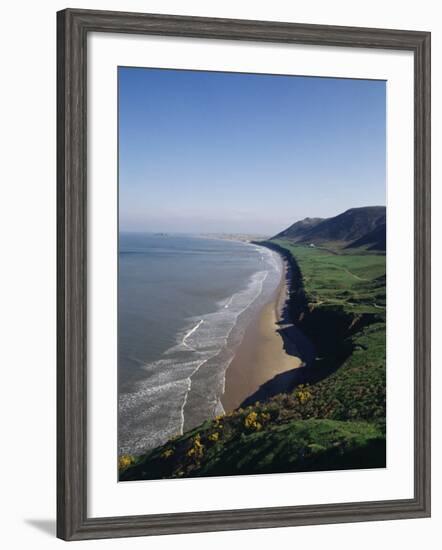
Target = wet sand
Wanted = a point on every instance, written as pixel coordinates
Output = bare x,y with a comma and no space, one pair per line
262,353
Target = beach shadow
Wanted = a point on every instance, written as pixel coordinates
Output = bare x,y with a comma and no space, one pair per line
286,382
281,383
295,343
47,526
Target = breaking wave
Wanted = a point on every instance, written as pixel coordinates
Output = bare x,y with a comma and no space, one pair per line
183,388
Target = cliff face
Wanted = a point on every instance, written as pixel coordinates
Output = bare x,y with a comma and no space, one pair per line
329,327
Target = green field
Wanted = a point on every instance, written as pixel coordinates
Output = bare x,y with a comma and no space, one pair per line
354,280
335,419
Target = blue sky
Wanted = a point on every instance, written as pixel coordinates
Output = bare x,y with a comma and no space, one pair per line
230,152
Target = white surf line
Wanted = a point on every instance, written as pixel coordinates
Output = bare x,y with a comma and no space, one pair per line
229,301
189,379
189,385
196,327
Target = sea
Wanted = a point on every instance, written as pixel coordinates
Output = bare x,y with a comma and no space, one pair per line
184,302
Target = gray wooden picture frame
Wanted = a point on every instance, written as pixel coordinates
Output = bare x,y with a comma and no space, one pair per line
73,27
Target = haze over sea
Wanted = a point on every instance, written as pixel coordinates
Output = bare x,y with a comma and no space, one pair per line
184,302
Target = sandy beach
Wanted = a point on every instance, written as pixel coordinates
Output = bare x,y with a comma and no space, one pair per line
261,355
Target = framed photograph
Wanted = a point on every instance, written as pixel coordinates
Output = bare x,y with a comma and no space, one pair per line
243,274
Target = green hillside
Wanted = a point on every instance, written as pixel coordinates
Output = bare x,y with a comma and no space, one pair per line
334,415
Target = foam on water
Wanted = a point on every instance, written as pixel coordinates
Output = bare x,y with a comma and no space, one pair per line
184,387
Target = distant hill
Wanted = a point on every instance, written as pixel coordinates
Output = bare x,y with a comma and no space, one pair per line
298,229
374,240
365,226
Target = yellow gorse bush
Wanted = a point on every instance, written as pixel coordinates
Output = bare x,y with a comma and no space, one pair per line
303,394
124,461
255,421
197,449
214,436
251,421
218,422
167,453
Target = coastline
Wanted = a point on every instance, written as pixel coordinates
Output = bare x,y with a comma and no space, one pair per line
264,435
265,351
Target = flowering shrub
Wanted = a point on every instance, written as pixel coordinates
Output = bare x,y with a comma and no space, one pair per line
256,420
124,461
197,449
167,453
218,423
214,436
303,394
251,421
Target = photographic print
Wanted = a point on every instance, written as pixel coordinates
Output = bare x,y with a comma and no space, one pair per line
252,274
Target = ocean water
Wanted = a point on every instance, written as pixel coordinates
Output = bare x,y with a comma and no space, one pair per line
183,305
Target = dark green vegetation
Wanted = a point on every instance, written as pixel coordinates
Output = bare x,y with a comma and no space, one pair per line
277,447
332,415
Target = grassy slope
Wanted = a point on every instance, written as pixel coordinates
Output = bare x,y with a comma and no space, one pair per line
336,421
